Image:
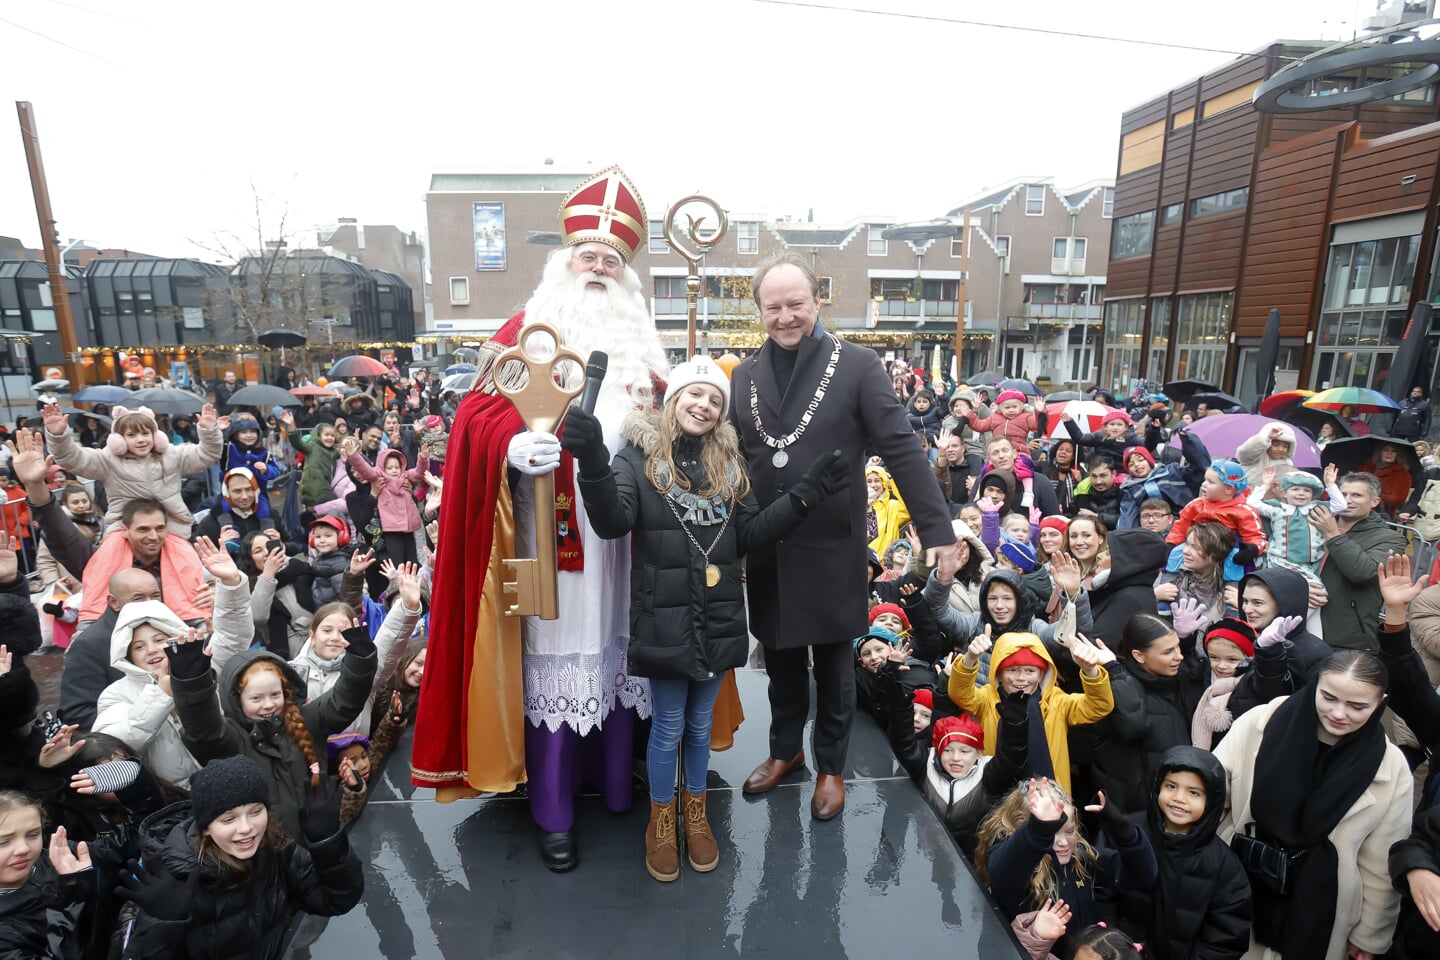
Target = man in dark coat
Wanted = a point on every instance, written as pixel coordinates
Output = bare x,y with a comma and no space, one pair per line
1136,556
224,390
1356,542
803,393
1413,421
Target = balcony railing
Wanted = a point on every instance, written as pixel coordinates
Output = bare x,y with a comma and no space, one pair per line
911,308
1089,312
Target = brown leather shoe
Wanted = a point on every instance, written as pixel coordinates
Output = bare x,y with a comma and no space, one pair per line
829,797
769,772
700,845
662,852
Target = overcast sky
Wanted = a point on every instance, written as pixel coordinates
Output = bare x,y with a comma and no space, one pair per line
157,122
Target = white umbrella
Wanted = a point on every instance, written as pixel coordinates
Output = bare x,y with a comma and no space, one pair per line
459,382
52,386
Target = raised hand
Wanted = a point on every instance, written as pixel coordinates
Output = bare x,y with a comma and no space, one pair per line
1090,655
1395,587
7,660
1065,571
288,418
348,447
1189,616
360,562
1268,476
218,561
55,419
978,647
409,574
1332,475
397,708
1042,801
65,862
347,773
424,451
207,418
9,559
27,457
1276,631
154,889
223,423
1051,920
59,748
388,569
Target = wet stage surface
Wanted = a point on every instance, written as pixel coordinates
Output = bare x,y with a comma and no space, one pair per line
464,880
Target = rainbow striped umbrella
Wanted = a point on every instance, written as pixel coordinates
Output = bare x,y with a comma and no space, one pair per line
1279,404
1358,399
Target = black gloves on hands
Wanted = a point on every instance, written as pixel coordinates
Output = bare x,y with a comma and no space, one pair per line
1245,554
157,891
188,660
320,817
359,642
583,438
1113,821
1014,709
828,473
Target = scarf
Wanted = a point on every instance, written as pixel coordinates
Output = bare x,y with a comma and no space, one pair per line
1306,791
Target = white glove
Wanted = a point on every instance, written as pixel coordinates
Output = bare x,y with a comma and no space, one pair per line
1276,631
534,453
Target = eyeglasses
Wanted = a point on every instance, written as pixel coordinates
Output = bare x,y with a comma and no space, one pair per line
611,264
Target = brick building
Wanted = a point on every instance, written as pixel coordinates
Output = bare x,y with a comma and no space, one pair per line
1223,212
489,234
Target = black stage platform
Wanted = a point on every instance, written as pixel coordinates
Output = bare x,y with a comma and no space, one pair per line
464,880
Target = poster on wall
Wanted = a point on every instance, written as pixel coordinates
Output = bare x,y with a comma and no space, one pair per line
180,373
489,235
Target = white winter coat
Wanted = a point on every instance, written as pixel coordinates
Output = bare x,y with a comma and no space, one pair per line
320,675
1366,905
136,709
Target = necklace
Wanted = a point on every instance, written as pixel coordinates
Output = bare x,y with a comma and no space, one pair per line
712,572
781,457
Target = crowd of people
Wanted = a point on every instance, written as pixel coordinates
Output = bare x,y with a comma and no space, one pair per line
230,685
1167,699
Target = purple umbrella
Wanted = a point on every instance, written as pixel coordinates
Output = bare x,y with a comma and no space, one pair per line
1223,434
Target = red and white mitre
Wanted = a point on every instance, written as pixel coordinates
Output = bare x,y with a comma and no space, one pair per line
605,208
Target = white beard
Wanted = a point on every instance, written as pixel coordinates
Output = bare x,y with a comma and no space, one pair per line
614,321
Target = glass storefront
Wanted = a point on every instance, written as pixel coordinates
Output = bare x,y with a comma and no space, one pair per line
1367,288
1202,336
1124,328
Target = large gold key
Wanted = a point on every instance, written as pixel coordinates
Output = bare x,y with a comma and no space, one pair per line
540,376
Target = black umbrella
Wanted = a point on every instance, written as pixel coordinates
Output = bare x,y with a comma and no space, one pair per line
1062,395
1269,352
264,395
1185,389
72,412
1352,453
1215,400
282,337
166,400
985,378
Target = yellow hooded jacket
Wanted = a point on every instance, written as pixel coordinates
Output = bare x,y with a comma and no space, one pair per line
891,514
1058,709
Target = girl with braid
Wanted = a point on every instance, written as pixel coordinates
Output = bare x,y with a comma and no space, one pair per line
261,712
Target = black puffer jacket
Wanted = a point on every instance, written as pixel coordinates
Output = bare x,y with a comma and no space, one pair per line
245,922
39,921
216,727
1414,940
1144,725
1136,556
1200,907
680,628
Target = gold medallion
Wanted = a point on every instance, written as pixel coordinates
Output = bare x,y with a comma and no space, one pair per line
712,575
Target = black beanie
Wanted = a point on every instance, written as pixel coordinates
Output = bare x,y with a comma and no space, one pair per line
19,624
18,709
224,784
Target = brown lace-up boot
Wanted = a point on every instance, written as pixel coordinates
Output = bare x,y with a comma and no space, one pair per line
662,854
700,845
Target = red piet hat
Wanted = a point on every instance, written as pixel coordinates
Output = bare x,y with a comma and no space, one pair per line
925,697
605,208
1024,657
894,608
964,728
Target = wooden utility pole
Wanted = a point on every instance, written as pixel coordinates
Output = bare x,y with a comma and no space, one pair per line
50,242
960,294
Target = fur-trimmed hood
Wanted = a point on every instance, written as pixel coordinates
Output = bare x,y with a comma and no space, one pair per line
642,428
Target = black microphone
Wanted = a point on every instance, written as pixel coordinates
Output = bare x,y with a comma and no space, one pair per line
594,375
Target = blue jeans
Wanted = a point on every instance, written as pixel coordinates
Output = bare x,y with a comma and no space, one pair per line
681,709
